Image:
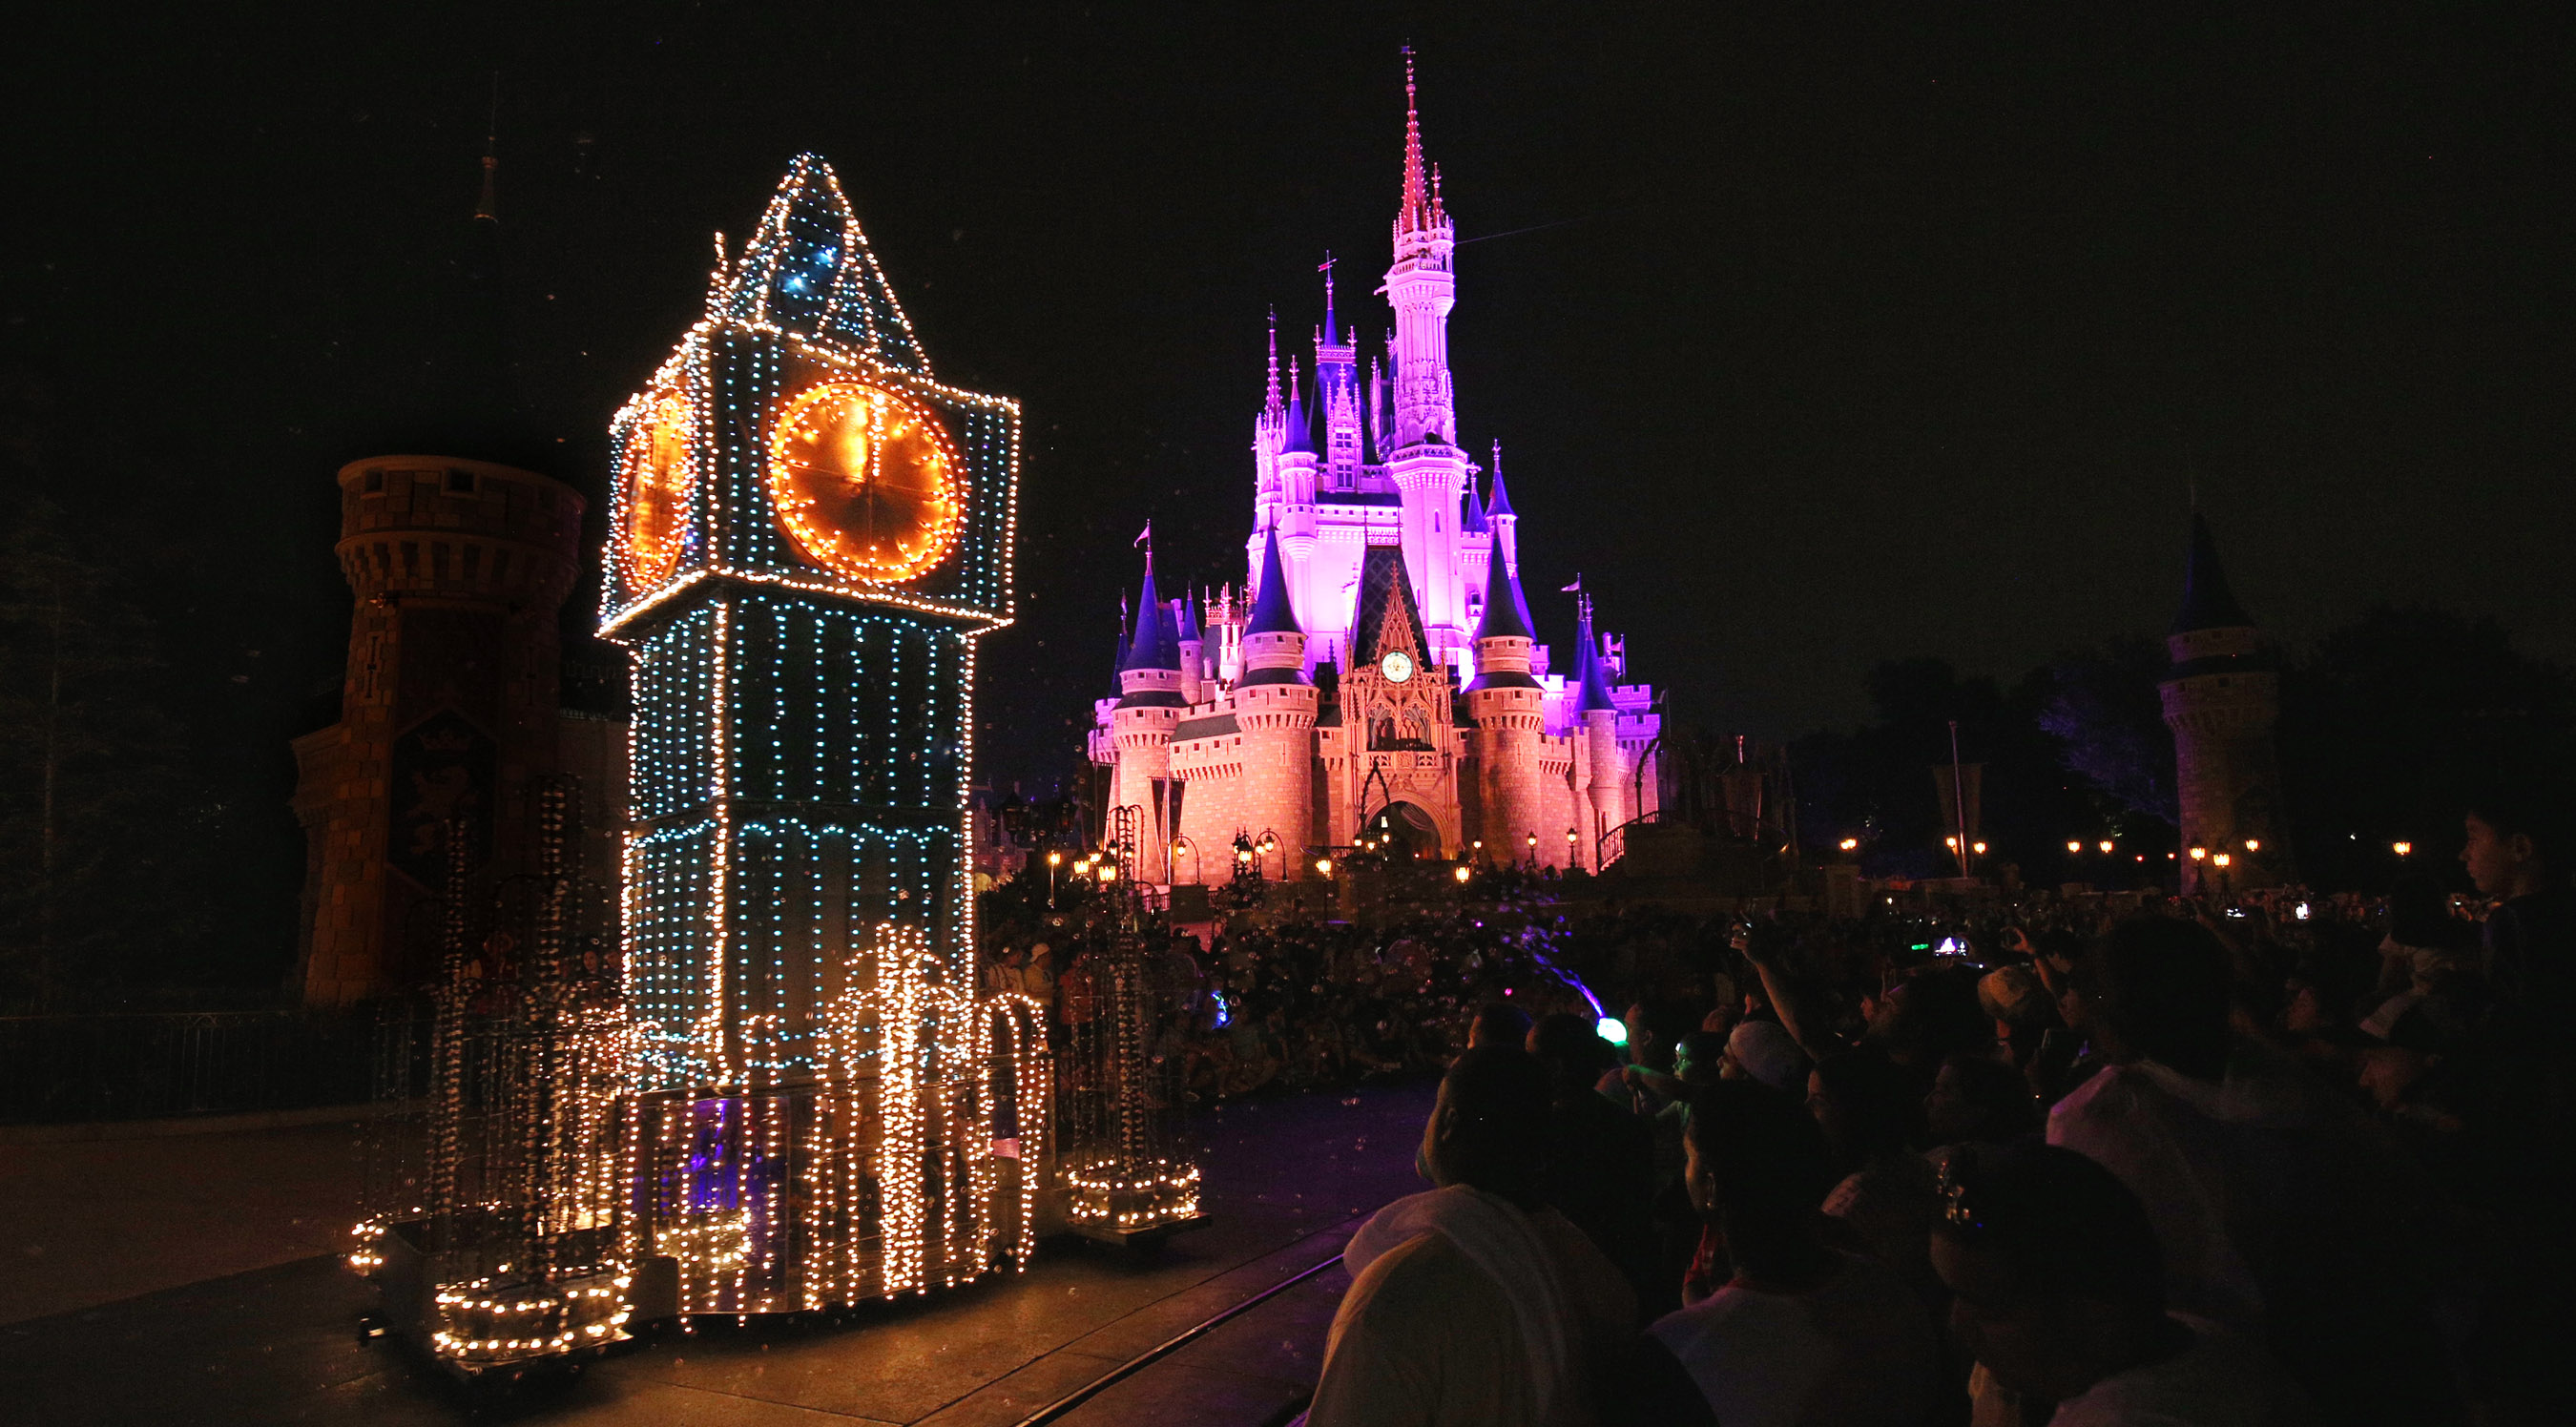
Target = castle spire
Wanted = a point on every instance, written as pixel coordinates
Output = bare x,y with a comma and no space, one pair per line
1156,645
2207,601
1499,504
1417,212
1301,433
1506,614
1270,402
1592,685
1272,612
1332,334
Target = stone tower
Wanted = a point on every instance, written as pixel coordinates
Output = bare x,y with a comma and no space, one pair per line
447,710
1506,703
2221,699
1601,767
1149,706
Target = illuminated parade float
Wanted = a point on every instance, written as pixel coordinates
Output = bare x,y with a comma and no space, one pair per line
810,535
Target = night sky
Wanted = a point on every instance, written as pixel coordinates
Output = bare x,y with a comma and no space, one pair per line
1813,340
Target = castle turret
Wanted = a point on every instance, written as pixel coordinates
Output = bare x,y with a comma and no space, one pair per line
1601,768
1504,701
2221,699
1193,653
1274,713
1505,522
1149,706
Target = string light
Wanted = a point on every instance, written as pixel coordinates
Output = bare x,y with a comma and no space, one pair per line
812,1084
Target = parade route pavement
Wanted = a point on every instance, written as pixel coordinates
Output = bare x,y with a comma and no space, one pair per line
199,1283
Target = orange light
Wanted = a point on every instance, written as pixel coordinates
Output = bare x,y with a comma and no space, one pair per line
1324,865
1978,848
1851,844
864,481
2199,853
2220,859
2073,846
660,475
2402,849
1461,874
1951,843
2253,844
2106,847
1108,872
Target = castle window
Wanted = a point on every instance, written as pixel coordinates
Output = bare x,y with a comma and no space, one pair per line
375,480
473,562
461,481
411,557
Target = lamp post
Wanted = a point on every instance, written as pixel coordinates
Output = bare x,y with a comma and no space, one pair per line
1055,859
1570,841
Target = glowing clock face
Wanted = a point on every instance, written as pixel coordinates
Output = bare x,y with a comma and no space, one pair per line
659,476
865,482
1397,666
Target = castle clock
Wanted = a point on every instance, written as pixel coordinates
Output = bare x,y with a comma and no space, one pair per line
811,536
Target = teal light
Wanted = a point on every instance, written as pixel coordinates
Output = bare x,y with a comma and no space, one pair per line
1613,1030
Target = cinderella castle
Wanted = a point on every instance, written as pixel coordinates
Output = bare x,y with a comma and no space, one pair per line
1379,680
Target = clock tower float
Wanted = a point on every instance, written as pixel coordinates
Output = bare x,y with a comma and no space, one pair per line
810,536
1378,679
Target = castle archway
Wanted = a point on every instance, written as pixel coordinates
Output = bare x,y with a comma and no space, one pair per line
1403,832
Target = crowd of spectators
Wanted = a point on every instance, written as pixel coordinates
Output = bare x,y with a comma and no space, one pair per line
2274,1159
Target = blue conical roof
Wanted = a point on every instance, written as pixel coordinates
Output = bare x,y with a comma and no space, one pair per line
1499,504
808,269
1301,432
1272,613
1155,646
1190,633
1506,615
1593,690
2207,602
1471,516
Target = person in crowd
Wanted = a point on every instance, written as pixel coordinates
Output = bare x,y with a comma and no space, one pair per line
2058,1292
1475,1303
1871,1114
2277,1209
1498,1023
1765,1052
2017,1000
1798,1333
1600,1158
1002,973
1976,1100
1697,1059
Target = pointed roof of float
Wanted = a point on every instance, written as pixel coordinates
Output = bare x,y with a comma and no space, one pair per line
2207,602
808,269
1506,614
1154,646
1271,611
1593,685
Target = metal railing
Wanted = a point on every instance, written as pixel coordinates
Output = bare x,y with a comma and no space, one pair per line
137,1066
